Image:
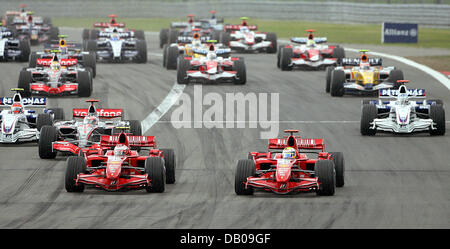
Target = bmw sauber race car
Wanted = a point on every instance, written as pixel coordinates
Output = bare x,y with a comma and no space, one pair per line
19,123
56,77
243,38
211,68
34,28
64,50
207,27
286,168
76,136
403,114
11,48
113,165
114,48
311,53
104,30
361,75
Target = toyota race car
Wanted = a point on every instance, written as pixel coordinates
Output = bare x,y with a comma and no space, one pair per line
22,124
113,165
75,136
211,68
361,75
11,48
286,168
310,54
402,115
56,77
244,38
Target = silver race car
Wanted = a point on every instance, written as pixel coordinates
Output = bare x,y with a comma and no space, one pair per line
74,136
21,124
11,48
402,115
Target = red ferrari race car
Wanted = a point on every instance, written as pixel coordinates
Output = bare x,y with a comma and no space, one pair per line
311,53
286,168
114,166
105,29
54,76
211,67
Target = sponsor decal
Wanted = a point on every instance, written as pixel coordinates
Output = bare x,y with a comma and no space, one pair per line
399,33
394,92
25,101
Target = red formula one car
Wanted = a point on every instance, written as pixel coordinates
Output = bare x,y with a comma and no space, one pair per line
286,168
114,166
310,53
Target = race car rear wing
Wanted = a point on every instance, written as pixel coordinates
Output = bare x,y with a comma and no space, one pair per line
357,61
6,34
107,25
104,34
62,62
29,102
133,141
302,143
188,39
231,27
181,25
304,40
70,45
393,93
218,51
102,113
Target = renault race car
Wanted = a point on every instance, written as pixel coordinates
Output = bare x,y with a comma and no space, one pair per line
104,30
207,27
311,53
245,38
11,48
115,48
361,75
76,136
403,114
22,124
286,168
64,50
34,28
56,77
211,68
113,165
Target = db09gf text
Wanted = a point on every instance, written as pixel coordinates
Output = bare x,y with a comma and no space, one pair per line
236,238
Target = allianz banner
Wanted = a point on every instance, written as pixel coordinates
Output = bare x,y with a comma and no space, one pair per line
399,32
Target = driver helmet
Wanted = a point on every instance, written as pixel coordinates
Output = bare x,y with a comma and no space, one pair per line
121,150
55,66
115,35
211,55
289,153
310,43
244,29
90,120
17,108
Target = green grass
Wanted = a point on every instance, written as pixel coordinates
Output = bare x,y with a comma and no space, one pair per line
336,33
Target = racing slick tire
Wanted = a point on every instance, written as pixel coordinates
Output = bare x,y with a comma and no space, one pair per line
225,38
369,113
93,35
338,53
239,67
272,37
85,34
173,36
394,76
154,167
437,114
437,101
172,57
328,71
90,62
183,66
25,80
84,83
54,32
24,47
215,35
141,47
47,136
285,59
165,48
43,119
58,113
32,62
325,172
170,164
139,34
75,165
135,127
337,83
163,37
91,45
244,169
339,166
279,55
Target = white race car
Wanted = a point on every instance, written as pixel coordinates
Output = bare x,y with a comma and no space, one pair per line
19,124
402,115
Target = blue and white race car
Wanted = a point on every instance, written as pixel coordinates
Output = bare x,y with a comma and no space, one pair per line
12,48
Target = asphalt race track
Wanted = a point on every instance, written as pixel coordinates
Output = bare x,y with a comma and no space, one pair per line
392,181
